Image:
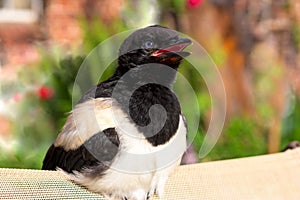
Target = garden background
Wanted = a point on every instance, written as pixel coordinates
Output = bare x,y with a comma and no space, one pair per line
255,45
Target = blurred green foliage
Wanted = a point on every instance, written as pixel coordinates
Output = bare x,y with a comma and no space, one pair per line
176,6
241,137
296,35
38,118
38,121
291,125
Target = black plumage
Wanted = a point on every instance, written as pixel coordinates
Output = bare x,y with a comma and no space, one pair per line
90,154
145,97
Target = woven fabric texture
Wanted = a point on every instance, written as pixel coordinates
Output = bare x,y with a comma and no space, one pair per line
275,176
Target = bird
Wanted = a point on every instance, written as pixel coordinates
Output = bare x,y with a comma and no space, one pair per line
126,135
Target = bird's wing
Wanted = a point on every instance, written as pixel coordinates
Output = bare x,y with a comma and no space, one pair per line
87,139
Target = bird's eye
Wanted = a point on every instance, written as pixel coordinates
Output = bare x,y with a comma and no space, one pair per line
148,44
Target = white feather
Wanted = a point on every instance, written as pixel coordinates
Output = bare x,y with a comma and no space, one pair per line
85,120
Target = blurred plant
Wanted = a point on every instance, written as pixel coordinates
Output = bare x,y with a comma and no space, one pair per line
56,94
141,13
38,110
291,125
296,35
38,103
241,137
42,97
95,31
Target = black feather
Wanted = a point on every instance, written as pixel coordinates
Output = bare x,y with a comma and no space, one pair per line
99,150
141,101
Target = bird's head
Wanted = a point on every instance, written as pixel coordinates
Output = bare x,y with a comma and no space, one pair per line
153,44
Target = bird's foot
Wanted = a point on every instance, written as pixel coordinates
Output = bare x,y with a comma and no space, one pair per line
158,186
139,194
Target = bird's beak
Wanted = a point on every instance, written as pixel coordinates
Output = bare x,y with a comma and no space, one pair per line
174,50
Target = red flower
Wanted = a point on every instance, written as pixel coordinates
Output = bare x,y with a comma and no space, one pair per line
194,3
17,97
45,92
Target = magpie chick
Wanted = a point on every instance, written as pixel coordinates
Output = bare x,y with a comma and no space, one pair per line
127,134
